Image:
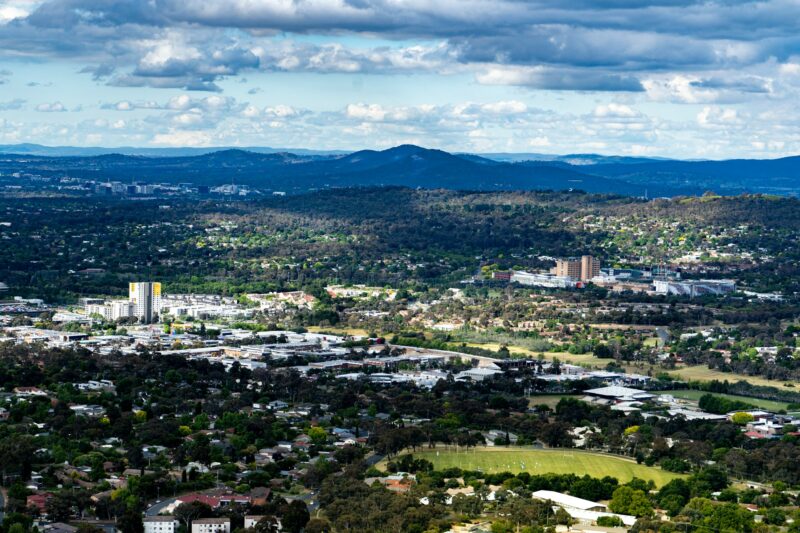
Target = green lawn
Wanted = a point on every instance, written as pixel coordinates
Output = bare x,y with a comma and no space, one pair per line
563,461
770,405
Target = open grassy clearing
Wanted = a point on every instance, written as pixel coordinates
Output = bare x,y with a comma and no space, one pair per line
550,400
703,373
492,459
586,359
770,405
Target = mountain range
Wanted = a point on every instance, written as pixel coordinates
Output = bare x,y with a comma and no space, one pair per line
408,165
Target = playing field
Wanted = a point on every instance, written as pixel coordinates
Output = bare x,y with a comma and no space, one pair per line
501,459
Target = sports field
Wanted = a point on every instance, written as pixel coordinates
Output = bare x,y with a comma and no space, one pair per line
502,459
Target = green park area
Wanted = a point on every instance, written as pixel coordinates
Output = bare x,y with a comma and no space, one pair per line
490,459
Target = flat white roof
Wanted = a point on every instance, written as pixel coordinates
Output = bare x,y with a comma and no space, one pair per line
616,391
566,500
580,514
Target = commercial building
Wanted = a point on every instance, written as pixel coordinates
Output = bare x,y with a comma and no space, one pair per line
693,288
146,297
543,280
160,524
582,269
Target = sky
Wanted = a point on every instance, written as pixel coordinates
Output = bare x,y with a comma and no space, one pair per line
669,78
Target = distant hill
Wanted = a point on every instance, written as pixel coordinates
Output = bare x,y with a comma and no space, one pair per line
413,166
69,151
406,165
774,176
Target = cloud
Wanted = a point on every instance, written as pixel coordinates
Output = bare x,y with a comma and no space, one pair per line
613,109
594,45
53,107
183,138
127,105
11,12
558,79
714,116
11,105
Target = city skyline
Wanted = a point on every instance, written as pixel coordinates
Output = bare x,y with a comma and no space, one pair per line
667,78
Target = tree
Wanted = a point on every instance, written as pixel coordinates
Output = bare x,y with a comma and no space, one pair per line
626,500
742,418
186,512
268,524
59,507
295,516
318,525
318,435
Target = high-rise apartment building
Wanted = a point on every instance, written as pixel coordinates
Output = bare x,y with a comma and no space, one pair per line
567,268
590,267
582,269
146,297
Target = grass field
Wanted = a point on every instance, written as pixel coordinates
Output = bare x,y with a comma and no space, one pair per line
703,373
586,359
770,405
549,400
500,459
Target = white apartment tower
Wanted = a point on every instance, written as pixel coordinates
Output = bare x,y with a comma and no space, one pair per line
146,298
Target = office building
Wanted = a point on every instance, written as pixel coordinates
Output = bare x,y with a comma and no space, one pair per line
146,298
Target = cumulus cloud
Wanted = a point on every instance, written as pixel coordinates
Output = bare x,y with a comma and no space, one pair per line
713,59
52,107
594,45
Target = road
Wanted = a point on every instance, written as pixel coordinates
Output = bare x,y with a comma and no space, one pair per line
156,508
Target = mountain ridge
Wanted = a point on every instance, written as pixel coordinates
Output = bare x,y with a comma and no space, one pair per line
415,166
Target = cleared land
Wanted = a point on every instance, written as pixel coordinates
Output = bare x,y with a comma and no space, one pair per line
694,395
501,459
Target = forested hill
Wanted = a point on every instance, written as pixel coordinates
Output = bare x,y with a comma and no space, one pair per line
413,166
